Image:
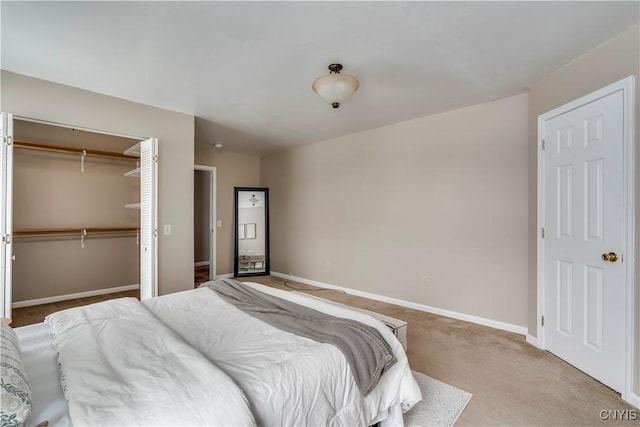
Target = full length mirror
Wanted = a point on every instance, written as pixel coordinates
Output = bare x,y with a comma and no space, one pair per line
251,231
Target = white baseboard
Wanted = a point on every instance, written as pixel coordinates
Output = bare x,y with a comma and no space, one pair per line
633,399
200,263
532,340
225,276
434,310
57,298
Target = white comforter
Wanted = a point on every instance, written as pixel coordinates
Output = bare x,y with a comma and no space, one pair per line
121,366
289,380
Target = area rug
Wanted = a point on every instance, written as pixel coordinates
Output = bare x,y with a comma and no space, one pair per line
441,403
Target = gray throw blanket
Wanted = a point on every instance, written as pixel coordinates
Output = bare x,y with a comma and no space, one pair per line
367,353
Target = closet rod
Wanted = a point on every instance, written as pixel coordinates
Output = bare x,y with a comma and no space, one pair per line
71,150
70,232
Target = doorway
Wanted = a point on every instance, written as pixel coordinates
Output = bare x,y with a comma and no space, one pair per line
121,210
204,222
585,244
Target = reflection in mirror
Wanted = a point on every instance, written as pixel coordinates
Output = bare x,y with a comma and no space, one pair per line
252,231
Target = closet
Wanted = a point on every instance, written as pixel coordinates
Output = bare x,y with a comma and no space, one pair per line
77,214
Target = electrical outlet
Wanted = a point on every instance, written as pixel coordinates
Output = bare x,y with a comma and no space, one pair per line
219,223
425,281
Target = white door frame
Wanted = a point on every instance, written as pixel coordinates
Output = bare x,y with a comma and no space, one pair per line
627,87
6,216
213,220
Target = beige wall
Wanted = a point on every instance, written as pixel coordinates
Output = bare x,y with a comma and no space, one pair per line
232,170
614,60
443,196
29,97
50,191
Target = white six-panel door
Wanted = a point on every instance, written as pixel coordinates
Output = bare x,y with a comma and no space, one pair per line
6,210
584,226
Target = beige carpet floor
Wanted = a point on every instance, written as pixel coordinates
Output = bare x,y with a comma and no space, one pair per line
513,383
36,313
201,275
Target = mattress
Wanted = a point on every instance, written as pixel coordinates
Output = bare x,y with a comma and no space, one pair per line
399,389
290,380
121,366
40,361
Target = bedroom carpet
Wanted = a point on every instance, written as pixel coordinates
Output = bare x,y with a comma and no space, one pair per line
441,403
36,313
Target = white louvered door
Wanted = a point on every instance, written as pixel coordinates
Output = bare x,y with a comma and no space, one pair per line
6,210
148,218
584,221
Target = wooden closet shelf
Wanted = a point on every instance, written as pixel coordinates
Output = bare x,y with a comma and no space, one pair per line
62,232
71,150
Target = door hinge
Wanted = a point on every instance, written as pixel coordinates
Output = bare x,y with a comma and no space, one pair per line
6,238
9,140
155,158
542,321
543,145
542,232
155,232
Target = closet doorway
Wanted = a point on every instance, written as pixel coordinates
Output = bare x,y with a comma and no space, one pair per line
84,207
204,223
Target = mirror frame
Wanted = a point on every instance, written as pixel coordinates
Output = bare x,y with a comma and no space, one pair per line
267,251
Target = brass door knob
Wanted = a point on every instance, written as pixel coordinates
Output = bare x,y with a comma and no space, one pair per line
611,256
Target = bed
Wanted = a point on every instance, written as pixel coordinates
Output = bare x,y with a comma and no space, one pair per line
267,376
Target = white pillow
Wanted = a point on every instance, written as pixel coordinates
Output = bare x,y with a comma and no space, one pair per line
15,393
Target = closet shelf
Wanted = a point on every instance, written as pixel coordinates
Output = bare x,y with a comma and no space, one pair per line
62,232
71,150
133,206
135,173
133,151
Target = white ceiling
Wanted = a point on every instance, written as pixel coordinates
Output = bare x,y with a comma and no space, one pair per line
245,69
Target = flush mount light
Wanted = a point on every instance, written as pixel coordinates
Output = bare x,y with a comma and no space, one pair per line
335,87
254,200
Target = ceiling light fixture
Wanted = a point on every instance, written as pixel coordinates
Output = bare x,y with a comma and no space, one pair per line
335,87
254,200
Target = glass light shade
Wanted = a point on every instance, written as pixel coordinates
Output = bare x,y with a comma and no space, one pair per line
335,88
